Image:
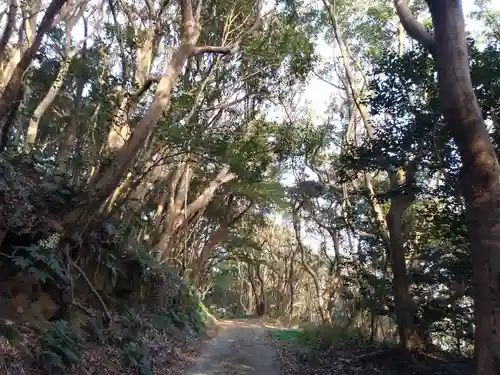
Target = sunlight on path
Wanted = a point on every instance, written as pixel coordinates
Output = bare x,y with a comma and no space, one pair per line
241,348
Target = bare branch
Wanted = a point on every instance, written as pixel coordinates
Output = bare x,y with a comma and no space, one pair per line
414,29
197,14
228,104
216,49
187,10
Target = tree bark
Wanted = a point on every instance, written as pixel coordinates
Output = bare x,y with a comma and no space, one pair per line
9,27
480,171
15,83
179,218
409,334
47,100
325,318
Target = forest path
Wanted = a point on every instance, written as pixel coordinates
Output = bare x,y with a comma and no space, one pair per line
240,348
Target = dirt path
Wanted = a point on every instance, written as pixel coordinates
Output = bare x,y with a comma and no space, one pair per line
240,348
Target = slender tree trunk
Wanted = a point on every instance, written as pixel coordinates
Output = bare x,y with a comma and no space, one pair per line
47,100
9,27
292,289
15,83
389,227
314,276
405,309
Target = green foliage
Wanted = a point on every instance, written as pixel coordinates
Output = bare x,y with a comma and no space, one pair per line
9,330
61,346
288,335
40,262
319,338
314,341
190,313
132,340
136,357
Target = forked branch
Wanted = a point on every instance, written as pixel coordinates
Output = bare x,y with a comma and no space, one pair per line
414,28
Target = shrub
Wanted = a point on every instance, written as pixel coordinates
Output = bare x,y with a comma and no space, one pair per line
323,337
136,356
61,346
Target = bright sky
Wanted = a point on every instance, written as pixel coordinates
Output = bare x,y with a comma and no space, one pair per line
319,93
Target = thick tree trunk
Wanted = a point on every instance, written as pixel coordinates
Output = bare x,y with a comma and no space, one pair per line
480,175
263,311
190,30
480,172
216,237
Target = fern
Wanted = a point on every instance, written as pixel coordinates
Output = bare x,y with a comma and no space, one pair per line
135,357
40,262
61,346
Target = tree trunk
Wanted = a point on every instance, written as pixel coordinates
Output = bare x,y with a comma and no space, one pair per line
190,30
9,27
290,281
262,290
319,295
15,83
480,176
47,100
179,218
480,171
405,310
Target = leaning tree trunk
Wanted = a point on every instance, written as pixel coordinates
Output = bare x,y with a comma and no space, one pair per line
9,27
190,27
325,316
47,101
480,172
16,80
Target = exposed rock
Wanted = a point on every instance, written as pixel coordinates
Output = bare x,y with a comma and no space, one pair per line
44,308
21,303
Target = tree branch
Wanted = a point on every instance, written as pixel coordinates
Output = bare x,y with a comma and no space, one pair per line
216,49
187,10
226,50
414,29
141,90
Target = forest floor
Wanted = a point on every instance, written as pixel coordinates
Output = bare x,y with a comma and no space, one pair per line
315,351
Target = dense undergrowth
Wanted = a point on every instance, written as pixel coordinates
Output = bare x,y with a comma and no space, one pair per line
333,349
99,305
